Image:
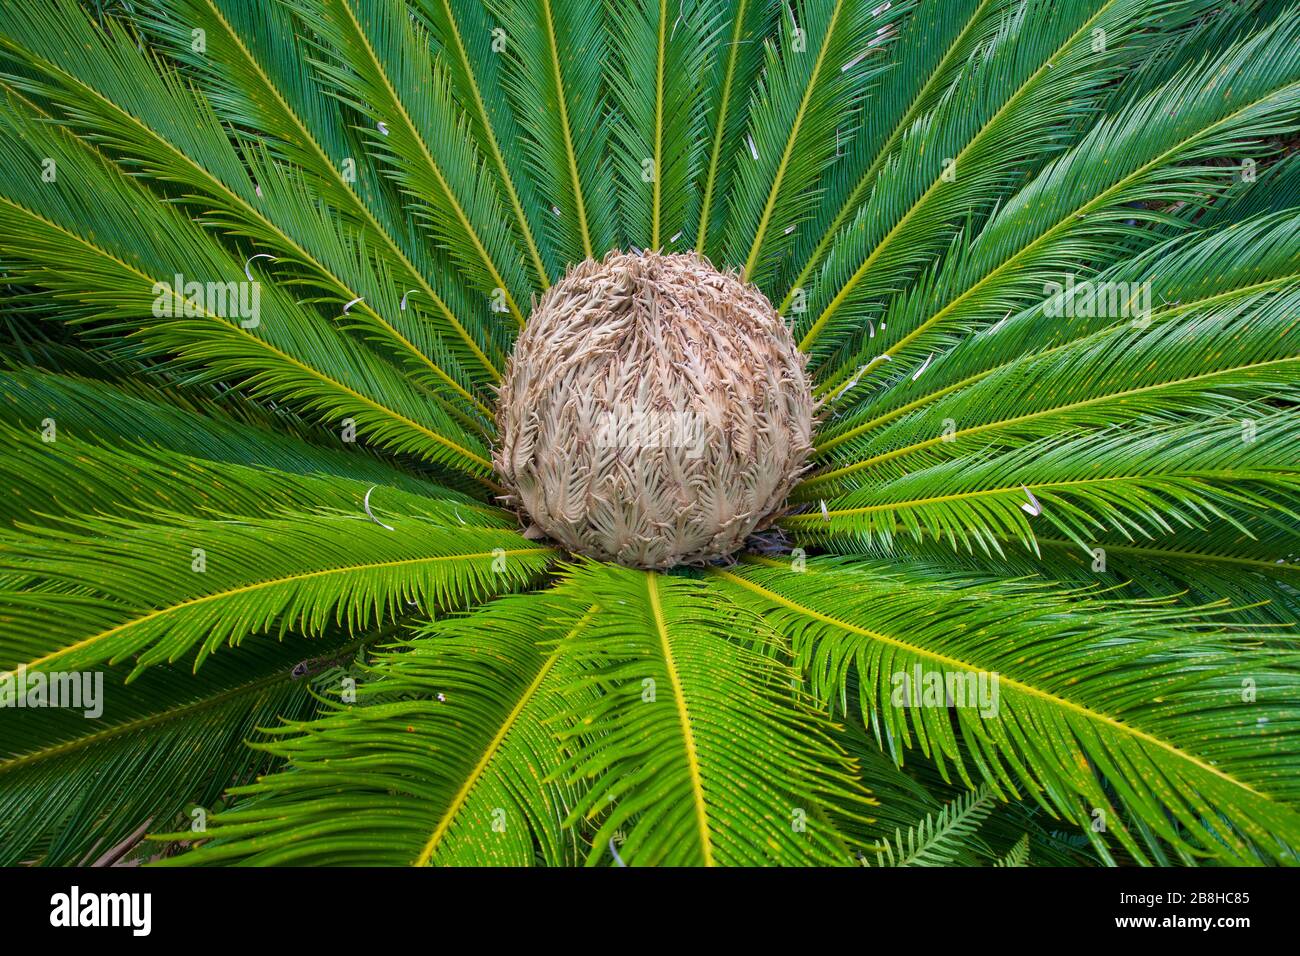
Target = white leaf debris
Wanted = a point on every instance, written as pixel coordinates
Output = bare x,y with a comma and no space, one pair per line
1033,508
854,62
1001,322
260,255
370,514
924,366
857,377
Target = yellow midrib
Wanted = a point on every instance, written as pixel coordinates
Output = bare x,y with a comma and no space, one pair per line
257,585
957,664
724,105
822,319
1259,563
688,736
553,46
770,206
360,206
852,201
458,801
234,197
659,123
497,155
170,714
461,216
1086,208
1097,335
151,720
397,416
1041,413
965,495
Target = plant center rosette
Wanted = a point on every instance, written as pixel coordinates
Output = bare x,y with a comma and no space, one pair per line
655,412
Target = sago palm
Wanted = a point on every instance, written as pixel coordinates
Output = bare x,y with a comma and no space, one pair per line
626,433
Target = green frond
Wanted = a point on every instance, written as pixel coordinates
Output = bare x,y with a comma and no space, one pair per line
1018,855
447,758
658,138
555,51
122,278
1194,272
1252,566
1172,372
1132,481
1080,208
376,59
465,36
735,69
824,61
698,751
955,160
1247,562
144,112
155,589
939,838
1153,138
921,788
1041,256
257,73
74,789
71,477
1206,35
215,429
1275,189
933,43
1147,698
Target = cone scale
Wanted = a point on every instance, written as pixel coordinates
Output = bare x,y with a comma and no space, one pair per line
654,412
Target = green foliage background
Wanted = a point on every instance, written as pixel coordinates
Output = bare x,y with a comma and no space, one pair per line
1100,510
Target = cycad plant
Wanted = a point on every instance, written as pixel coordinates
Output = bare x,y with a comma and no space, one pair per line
987,552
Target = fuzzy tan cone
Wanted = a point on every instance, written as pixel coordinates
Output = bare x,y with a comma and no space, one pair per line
655,412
